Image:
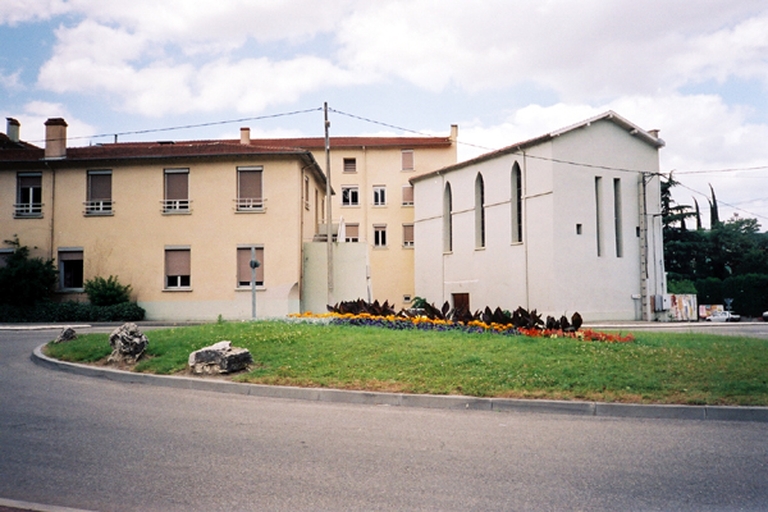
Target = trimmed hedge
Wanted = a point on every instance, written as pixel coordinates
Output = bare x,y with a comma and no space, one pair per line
72,312
749,293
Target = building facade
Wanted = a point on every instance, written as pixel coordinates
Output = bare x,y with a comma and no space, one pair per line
569,221
179,221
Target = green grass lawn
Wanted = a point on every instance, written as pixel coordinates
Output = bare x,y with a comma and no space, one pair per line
655,368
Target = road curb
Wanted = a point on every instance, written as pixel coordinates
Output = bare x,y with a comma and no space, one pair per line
599,409
25,506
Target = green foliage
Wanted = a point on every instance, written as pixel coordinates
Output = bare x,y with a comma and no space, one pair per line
70,311
25,280
657,367
107,292
749,293
683,286
709,291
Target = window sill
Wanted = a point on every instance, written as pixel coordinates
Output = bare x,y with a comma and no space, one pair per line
380,247
513,244
177,212
259,288
350,206
479,249
28,216
98,214
251,210
180,289
408,247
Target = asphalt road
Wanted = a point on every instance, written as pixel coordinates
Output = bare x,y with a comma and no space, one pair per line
80,442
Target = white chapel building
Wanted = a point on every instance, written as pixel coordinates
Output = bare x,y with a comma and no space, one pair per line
568,221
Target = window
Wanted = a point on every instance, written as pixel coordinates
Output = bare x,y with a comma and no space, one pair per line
479,212
306,192
352,233
176,198
349,195
177,268
517,205
598,214
244,254
407,195
250,189
99,193
617,217
460,301
380,235
379,195
350,165
407,160
29,195
70,269
407,235
447,219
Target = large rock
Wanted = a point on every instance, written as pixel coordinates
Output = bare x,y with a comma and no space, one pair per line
128,344
218,358
66,334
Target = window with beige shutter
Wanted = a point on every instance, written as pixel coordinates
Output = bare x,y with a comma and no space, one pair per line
352,232
244,265
176,193
178,268
407,195
99,193
29,195
407,160
250,189
407,235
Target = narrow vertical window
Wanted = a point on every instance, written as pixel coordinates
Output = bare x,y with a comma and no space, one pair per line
29,195
517,204
479,212
408,160
407,235
598,214
617,217
447,219
407,195
244,265
250,195
350,165
380,235
379,195
177,268
70,262
306,192
99,193
176,197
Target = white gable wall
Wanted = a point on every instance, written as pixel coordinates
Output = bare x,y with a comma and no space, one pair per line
554,269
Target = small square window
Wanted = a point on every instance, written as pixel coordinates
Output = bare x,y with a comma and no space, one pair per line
350,195
350,165
578,229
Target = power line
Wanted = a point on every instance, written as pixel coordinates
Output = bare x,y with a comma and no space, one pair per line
722,202
718,171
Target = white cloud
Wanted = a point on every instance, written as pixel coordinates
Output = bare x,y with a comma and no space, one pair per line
11,81
13,12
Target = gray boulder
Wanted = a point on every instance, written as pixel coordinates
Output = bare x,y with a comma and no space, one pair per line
128,344
219,358
66,334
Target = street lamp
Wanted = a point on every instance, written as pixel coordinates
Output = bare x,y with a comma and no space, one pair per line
254,264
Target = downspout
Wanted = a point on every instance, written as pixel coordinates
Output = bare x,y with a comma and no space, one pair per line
53,207
524,177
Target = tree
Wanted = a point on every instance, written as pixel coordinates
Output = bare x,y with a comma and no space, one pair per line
25,280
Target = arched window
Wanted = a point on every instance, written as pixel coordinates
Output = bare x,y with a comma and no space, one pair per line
447,219
516,203
479,212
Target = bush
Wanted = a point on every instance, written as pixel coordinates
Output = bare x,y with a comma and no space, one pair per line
25,280
682,287
70,311
107,292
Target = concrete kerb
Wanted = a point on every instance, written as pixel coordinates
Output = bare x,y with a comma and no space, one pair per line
600,409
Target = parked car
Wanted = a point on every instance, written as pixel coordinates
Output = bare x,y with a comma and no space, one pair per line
765,316
723,316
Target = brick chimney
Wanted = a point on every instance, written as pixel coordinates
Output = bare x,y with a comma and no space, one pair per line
12,131
55,138
245,136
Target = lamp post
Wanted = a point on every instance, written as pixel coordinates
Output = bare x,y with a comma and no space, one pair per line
254,264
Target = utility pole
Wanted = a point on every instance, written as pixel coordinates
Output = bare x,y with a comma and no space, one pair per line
328,205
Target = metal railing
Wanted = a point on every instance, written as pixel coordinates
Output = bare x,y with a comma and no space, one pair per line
100,207
249,204
175,205
28,210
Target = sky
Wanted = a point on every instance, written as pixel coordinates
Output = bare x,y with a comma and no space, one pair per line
504,71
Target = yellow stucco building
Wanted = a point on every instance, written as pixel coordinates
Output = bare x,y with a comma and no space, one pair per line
179,221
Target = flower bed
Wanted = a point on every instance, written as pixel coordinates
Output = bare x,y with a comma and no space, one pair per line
399,322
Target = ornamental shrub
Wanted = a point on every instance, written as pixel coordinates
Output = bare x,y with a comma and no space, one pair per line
107,292
25,280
